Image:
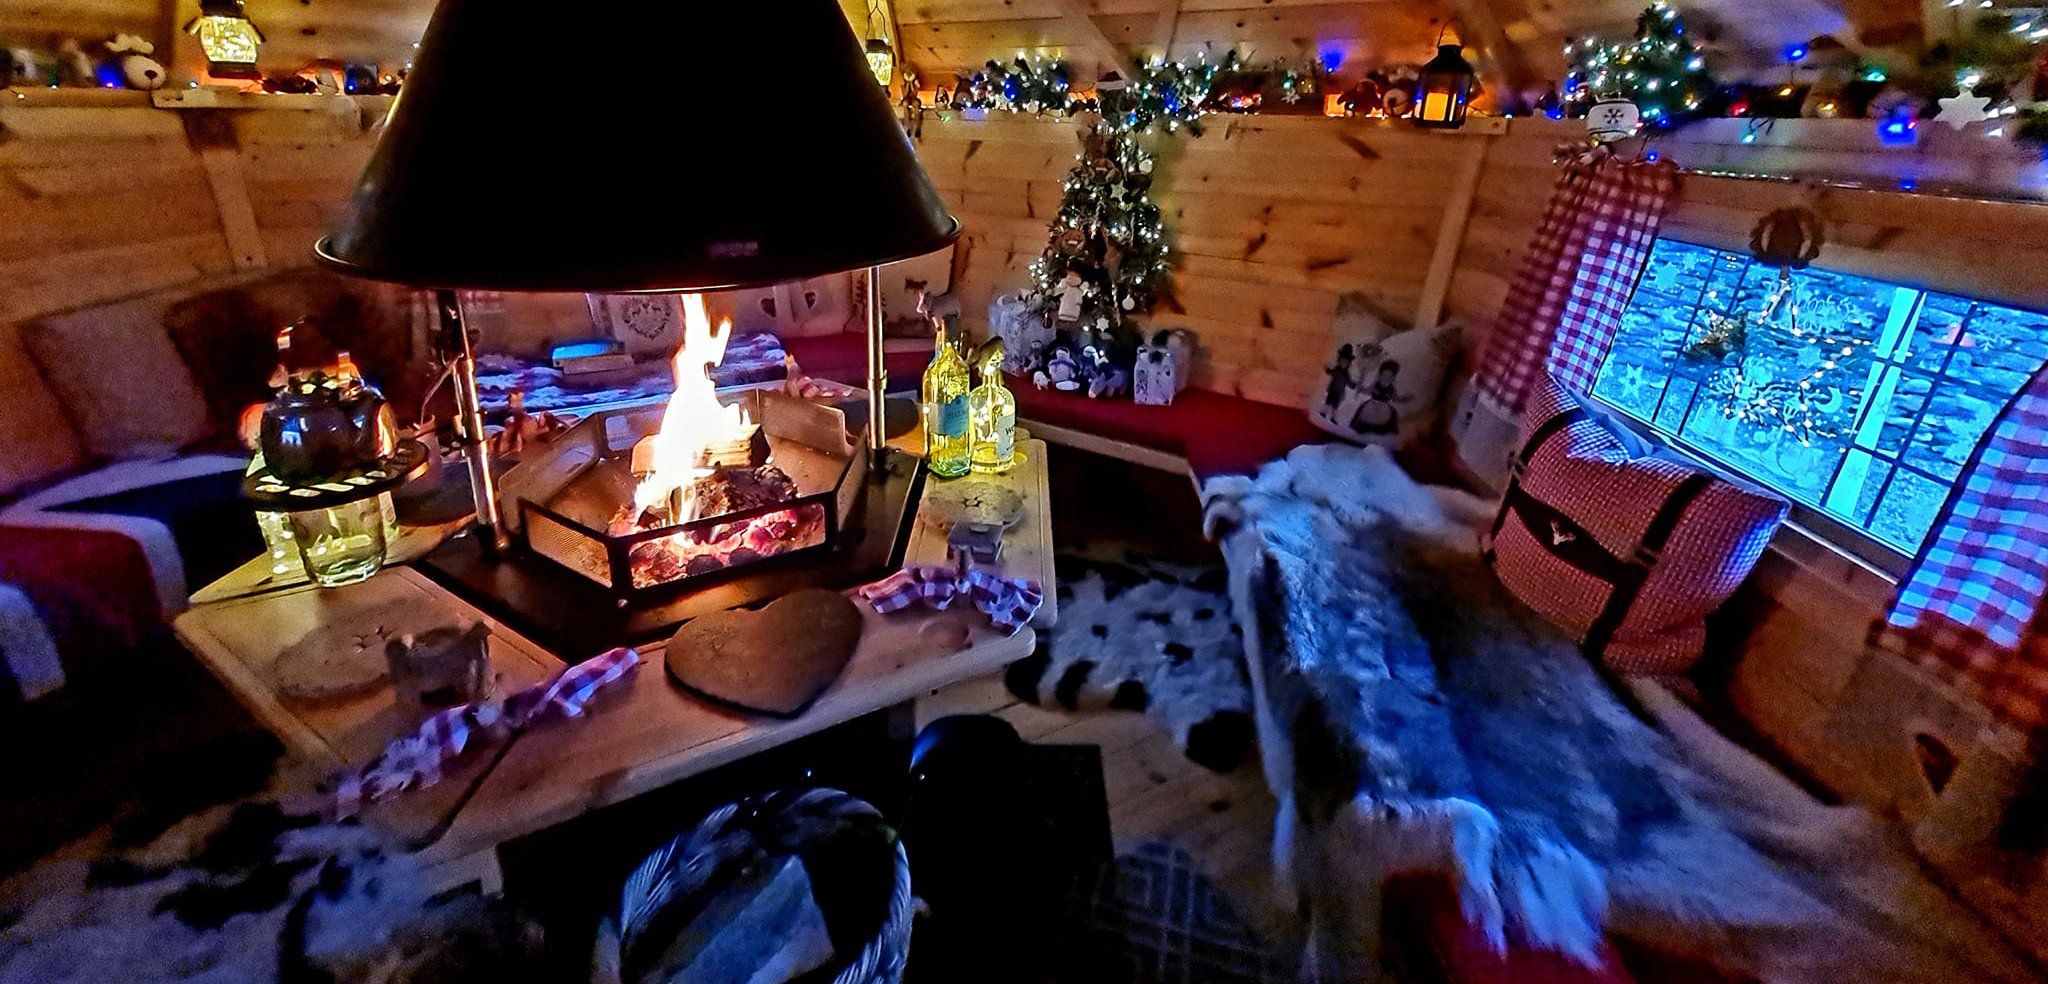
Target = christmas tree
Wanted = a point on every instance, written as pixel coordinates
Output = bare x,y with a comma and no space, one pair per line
1106,258
1662,71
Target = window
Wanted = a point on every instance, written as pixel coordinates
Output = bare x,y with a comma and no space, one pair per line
1858,399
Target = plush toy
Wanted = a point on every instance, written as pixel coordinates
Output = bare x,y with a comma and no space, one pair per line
131,55
359,80
18,65
1106,379
1062,371
74,66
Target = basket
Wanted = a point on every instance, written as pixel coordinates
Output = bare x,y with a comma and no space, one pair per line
780,823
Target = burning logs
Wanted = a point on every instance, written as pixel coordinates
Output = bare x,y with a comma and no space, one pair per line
726,491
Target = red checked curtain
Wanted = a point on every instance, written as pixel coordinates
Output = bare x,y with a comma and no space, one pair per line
1975,606
1565,306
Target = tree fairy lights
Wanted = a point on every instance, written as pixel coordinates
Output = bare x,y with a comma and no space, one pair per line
1662,71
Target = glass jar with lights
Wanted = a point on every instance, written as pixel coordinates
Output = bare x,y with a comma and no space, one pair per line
992,413
881,61
342,544
228,38
1443,92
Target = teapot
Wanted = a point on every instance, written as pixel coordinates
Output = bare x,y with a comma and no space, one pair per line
322,427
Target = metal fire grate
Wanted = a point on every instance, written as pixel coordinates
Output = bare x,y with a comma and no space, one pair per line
562,497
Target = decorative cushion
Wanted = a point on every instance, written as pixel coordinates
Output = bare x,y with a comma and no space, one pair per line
1628,553
1381,386
120,379
33,427
227,336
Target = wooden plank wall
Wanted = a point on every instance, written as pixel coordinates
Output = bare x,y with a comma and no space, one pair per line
1271,217
107,198
1976,245
1805,678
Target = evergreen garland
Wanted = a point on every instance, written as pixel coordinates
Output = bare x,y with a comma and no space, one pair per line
1662,71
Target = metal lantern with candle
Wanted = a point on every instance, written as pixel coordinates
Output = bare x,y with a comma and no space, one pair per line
229,39
881,57
1444,91
881,61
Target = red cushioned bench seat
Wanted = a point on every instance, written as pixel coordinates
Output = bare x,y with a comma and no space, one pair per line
1204,433
1214,433
843,358
1208,433
1432,942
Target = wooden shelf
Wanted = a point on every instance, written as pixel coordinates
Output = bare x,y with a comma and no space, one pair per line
43,97
189,98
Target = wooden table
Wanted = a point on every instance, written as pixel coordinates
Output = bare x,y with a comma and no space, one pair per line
641,736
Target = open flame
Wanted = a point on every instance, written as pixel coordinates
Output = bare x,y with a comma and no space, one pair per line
694,420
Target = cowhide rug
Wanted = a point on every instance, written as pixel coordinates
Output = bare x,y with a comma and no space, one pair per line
1137,633
248,894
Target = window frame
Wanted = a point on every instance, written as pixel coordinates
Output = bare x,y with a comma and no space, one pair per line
1865,550
1856,544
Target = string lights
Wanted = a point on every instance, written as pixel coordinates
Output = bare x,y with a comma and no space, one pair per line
1662,71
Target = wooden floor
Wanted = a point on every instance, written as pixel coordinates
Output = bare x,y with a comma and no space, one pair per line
1224,821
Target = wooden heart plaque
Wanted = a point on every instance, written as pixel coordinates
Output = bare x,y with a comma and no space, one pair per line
775,660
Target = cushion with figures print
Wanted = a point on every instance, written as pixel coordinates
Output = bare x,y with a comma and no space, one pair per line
1629,553
1381,386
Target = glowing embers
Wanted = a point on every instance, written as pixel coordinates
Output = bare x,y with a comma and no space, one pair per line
778,476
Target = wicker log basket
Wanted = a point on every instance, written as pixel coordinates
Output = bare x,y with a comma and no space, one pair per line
852,855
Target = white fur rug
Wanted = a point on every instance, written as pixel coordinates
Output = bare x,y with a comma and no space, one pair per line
249,895
1140,634
1413,717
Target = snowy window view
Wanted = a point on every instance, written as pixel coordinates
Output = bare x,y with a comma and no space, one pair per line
1859,398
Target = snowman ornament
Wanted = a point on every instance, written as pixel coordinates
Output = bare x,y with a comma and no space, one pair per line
1613,119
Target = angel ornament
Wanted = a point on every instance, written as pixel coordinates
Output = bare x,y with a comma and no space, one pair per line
1071,292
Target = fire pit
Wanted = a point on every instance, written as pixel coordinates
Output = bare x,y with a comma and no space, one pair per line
635,520
649,499
790,489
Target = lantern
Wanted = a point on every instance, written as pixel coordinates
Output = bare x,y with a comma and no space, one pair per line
228,38
881,57
1444,90
881,61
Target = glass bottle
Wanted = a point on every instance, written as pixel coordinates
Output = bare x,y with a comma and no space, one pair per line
948,440
993,409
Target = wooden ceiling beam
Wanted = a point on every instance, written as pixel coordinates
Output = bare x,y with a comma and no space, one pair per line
1501,64
1076,17
1169,24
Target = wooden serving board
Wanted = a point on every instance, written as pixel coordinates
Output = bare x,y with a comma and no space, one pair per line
649,733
